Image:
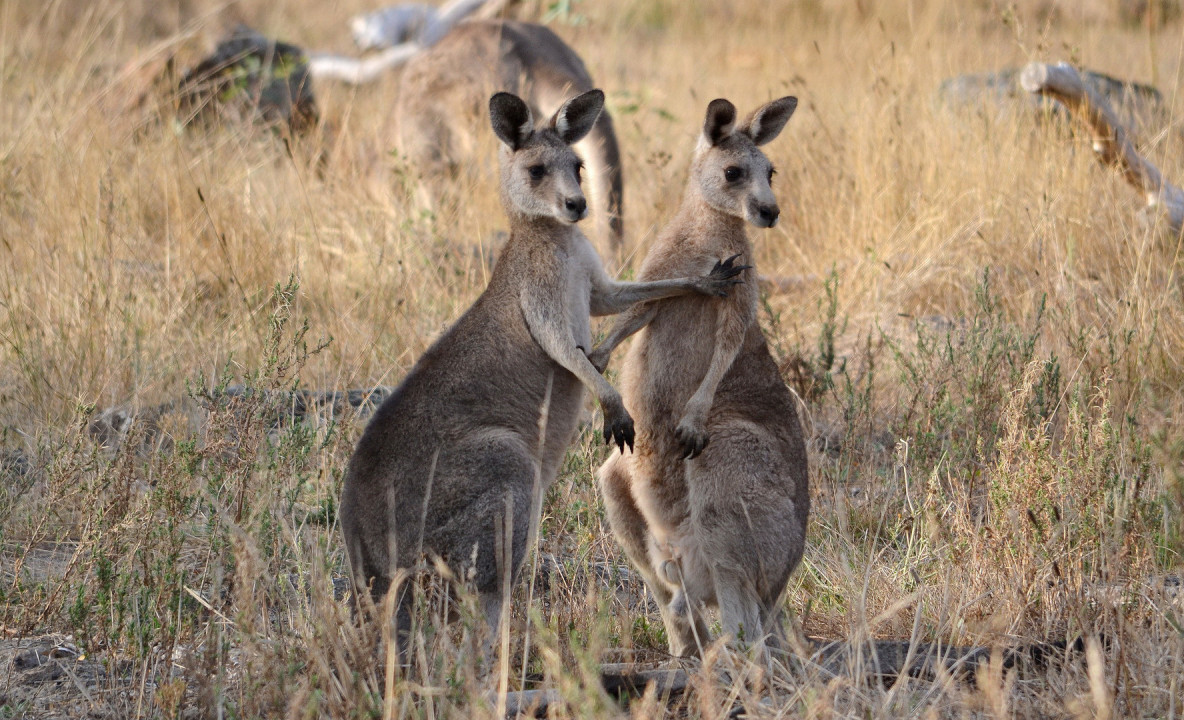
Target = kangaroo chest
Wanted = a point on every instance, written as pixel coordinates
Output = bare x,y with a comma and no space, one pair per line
668,360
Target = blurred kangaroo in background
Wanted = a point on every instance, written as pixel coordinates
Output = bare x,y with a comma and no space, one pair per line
712,505
453,465
444,88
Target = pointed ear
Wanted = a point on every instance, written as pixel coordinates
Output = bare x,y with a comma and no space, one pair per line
575,119
768,121
511,119
721,120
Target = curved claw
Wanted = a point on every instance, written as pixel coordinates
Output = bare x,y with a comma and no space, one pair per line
726,274
693,442
728,268
619,431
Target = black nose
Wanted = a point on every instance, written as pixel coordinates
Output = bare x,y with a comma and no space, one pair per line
769,214
576,205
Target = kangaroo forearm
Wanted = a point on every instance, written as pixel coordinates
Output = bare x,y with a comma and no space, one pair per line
572,358
729,338
620,296
555,338
720,362
578,364
627,323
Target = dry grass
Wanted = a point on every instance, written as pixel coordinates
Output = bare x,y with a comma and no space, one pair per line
989,346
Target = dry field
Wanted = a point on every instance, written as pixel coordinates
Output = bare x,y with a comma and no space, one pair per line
988,343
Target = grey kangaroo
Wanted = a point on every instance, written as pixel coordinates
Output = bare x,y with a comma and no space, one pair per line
451,464
445,85
712,506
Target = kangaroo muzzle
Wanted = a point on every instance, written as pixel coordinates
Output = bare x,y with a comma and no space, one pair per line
763,215
575,208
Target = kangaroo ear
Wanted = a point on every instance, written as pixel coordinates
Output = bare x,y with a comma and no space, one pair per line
575,119
767,122
721,120
511,119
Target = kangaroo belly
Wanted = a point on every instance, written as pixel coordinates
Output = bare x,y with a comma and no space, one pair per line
667,362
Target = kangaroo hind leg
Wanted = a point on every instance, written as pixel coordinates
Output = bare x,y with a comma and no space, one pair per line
739,609
686,630
485,521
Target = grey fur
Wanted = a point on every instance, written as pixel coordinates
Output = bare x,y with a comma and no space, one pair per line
712,506
453,465
445,85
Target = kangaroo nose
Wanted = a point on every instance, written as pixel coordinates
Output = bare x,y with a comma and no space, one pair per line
576,205
769,215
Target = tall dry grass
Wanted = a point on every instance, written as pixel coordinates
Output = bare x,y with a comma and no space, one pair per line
987,343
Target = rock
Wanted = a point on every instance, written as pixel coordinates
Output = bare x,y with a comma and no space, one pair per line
152,428
14,467
250,78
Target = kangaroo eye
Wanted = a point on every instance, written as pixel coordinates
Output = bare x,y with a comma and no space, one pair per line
732,174
772,172
579,169
537,171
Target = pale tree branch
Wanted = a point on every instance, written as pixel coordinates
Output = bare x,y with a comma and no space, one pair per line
1111,142
358,71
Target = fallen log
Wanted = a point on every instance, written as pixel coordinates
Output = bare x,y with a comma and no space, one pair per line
885,660
532,703
620,680
891,659
1111,142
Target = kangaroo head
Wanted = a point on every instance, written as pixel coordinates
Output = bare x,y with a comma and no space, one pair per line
540,171
733,175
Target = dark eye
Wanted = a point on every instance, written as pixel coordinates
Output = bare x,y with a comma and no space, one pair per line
772,172
579,168
537,171
733,173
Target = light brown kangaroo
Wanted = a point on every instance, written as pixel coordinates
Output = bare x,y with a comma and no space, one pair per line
719,523
452,463
443,89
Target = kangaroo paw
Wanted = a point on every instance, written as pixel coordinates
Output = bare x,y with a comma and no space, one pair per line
692,437
599,358
726,274
618,427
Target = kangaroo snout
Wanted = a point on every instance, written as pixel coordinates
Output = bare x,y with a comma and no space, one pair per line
763,215
577,208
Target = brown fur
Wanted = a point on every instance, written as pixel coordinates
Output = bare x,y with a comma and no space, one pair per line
712,505
454,463
444,88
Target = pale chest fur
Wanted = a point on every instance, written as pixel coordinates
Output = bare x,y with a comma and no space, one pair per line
581,264
558,272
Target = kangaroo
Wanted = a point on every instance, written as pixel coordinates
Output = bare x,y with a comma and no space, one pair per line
453,463
719,523
443,88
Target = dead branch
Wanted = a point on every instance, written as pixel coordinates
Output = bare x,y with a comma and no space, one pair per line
884,659
621,680
1111,142
396,49
360,72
